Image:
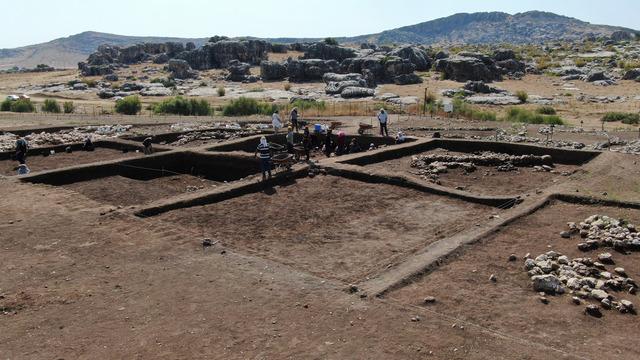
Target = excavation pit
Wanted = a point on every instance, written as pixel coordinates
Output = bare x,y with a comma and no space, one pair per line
42,159
143,180
331,226
481,179
195,138
463,291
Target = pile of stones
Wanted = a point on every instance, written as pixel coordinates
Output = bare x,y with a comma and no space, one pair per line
430,165
599,231
77,135
585,278
210,135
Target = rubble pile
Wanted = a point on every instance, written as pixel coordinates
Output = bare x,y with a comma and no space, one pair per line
76,135
602,231
555,274
210,135
430,165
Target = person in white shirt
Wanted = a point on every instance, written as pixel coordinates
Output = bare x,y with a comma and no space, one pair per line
383,119
276,122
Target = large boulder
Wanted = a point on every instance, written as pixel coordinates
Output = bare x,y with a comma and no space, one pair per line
357,92
324,51
161,58
310,69
596,76
480,87
549,284
511,67
373,64
273,71
238,71
336,87
415,55
333,77
504,54
465,68
394,67
94,70
180,69
632,74
218,54
407,79
190,46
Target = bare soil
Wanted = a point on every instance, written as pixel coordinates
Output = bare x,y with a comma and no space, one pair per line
122,191
63,159
333,227
463,291
486,180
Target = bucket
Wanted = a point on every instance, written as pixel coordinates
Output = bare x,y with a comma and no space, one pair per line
317,128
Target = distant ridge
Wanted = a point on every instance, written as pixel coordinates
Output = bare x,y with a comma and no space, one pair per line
475,28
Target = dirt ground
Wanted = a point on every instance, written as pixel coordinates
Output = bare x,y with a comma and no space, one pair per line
336,228
463,291
122,191
486,180
62,159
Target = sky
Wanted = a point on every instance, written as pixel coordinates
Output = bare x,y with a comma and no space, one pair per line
24,23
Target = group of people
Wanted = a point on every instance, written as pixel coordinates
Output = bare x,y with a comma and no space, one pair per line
277,124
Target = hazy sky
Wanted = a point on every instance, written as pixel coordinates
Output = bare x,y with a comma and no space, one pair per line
23,23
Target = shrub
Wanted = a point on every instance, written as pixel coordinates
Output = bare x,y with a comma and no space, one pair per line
246,106
221,91
22,106
529,117
309,104
182,106
129,105
330,41
580,62
90,83
68,107
465,110
168,83
6,105
51,106
522,96
546,110
625,118
287,86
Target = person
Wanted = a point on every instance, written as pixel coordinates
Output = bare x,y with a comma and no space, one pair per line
306,142
354,146
290,138
401,138
147,143
341,149
383,119
22,146
88,144
328,144
265,157
23,169
276,122
315,137
294,118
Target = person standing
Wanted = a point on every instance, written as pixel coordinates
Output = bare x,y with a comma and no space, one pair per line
383,118
290,139
328,143
294,118
306,142
21,150
265,157
276,121
147,145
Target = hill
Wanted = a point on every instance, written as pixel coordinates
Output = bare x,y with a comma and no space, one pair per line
67,52
476,28
491,27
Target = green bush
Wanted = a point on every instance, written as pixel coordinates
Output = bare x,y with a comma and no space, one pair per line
625,118
330,41
522,96
182,106
129,105
309,104
529,117
465,110
51,106
246,106
546,110
221,91
168,83
68,107
22,106
6,105
90,83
